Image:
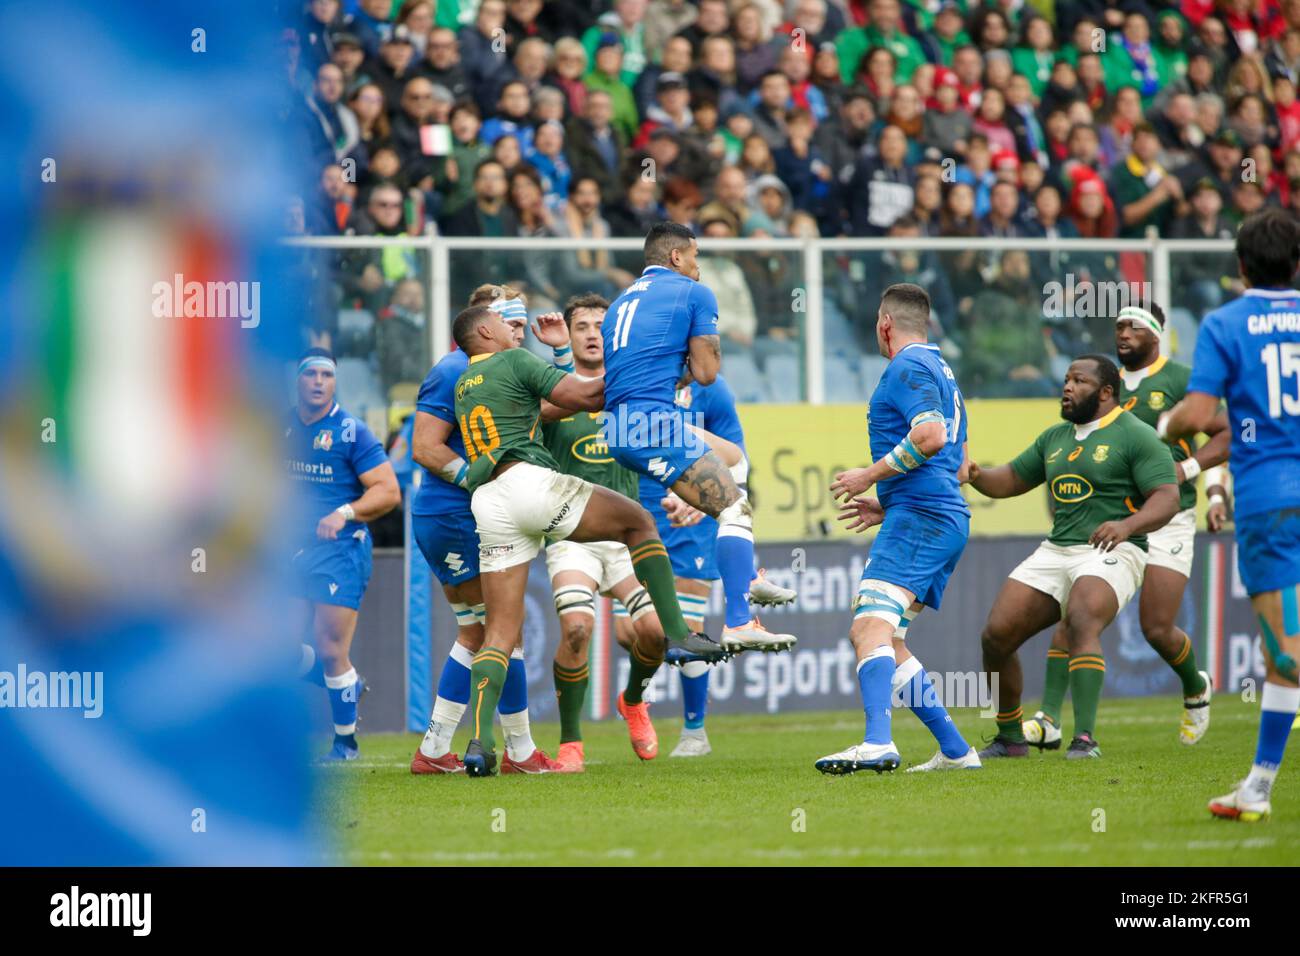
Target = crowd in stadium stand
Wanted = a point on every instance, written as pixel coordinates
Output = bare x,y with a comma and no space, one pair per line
804,118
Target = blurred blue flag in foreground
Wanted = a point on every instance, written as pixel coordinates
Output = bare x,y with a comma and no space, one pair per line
148,712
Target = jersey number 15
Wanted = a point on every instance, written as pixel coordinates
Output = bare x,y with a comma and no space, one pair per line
1282,360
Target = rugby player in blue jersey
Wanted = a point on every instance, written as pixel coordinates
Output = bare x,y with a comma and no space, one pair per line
659,334
917,430
444,530
1248,352
346,479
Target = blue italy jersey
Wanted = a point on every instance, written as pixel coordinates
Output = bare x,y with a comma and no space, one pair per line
325,461
646,331
918,380
438,398
1248,352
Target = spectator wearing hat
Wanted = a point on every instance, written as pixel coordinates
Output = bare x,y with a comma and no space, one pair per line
1220,162
945,124
881,188
442,65
946,33
626,22
884,30
1091,209
1203,277
671,109
350,57
678,57
1145,193
486,63
772,196
395,66
607,75
596,146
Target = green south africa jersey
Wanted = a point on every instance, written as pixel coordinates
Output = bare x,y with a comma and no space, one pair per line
498,407
1100,477
577,445
1162,386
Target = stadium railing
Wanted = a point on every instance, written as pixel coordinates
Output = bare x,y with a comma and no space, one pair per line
797,315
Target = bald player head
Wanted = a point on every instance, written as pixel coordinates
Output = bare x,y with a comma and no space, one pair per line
904,317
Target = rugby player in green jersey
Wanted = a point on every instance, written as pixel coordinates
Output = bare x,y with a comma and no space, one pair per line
1150,385
520,500
1112,480
580,570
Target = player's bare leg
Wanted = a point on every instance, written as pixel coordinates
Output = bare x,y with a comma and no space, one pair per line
1278,613
575,600
333,627
503,595
1043,730
1162,596
710,486
1018,613
1091,607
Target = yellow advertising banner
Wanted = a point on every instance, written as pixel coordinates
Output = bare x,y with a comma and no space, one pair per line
795,451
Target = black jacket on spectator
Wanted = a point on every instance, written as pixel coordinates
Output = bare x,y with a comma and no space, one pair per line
485,69
586,159
453,78
391,83
878,195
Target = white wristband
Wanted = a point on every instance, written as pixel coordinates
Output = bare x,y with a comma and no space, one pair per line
1218,499
1191,468
454,471
347,511
1218,475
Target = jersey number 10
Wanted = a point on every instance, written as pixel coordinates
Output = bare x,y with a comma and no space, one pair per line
480,431
1282,360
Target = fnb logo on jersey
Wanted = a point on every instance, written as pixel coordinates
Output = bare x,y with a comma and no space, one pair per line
1069,489
466,384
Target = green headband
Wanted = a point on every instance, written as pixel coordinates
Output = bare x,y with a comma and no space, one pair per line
1139,316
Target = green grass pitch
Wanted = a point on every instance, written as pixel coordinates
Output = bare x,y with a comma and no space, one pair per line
758,801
